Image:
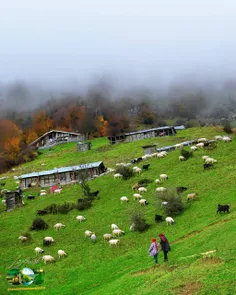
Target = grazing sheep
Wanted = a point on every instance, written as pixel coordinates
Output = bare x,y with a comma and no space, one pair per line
57,226
181,158
191,196
218,137
164,203
38,250
210,161
114,226
157,181
93,238
200,145
48,258
205,157
88,233
43,194
118,176
178,145
135,186
161,189
80,218
226,139
22,238
48,241
160,155
223,208
143,202
132,227
107,237
117,232
138,170
163,177
57,191
169,220
124,199
158,218
61,253
193,148
203,139
145,167
114,242
137,196
142,189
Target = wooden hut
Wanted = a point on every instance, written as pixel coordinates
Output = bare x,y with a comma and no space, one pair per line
13,200
149,149
84,146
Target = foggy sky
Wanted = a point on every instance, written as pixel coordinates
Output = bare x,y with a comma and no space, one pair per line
136,42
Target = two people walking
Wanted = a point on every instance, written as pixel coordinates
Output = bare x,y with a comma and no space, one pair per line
154,249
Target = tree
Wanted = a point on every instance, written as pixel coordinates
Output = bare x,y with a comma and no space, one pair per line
41,123
8,130
12,147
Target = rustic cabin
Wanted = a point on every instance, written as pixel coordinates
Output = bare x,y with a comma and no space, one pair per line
13,200
84,146
65,175
149,149
55,137
142,134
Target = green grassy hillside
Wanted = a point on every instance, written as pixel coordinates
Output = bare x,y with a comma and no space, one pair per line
127,269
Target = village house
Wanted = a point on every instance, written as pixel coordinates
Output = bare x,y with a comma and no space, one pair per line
64,175
55,137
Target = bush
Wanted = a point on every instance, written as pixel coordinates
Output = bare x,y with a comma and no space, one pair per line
175,205
65,208
139,221
144,182
51,208
227,127
83,205
186,154
125,171
39,224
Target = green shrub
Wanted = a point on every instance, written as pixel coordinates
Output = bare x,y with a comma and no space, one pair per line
126,172
139,221
144,182
38,224
51,208
175,205
65,208
227,127
186,154
83,205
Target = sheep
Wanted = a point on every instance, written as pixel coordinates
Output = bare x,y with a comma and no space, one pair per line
163,176
48,241
161,189
43,191
218,137
178,145
138,170
143,202
169,220
135,186
203,139
142,189
57,226
160,155
43,194
117,232
38,250
137,196
4,202
205,157
23,238
135,167
193,148
107,237
145,167
124,199
157,181
57,190
114,242
118,176
80,218
200,145
164,203
132,227
226,139
191,196
114,226
61,253
210,160
88,233
181,158
223,208
48,258
93,238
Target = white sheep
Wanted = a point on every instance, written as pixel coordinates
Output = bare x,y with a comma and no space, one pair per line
205,157
157,181
142,189
193,148
137,196
200,145
161,189
138,170
57,191
93,238
181,158
169,220
143,202
124,199
80,218
226,139
210,160
218,137
178,145
43,191
48,241
203,139
114,242
22,238
88,233
48,258
132,227
61,253
164,203
191,196
160,155
163,177
114,226
43,194
118,232
135,167
57,226
118,176
4,202
107,237
38,250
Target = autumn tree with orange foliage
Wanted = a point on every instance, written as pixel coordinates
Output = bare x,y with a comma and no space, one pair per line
41,123
12,148
102,125
8,130
31,136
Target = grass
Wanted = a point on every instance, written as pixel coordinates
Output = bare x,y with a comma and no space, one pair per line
127,269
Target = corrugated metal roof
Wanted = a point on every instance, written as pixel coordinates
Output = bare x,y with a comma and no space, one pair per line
61,170
149,130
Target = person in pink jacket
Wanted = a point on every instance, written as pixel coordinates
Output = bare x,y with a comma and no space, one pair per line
153,250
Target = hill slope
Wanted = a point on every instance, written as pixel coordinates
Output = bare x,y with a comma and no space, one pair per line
127,269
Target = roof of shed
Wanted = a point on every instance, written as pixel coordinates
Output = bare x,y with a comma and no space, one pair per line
61,170
150,130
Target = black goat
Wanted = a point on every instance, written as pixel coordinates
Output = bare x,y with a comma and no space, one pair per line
158,218
94,194
180,189
42,212
207,166
133,161
223,208
30,197
139,159
145,167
